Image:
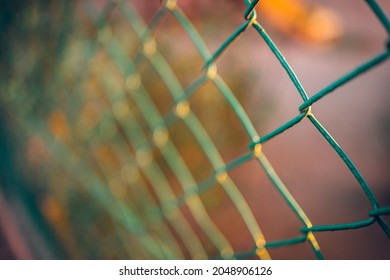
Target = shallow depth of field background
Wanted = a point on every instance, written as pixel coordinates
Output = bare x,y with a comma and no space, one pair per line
45,213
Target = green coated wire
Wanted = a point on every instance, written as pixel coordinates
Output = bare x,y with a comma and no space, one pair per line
380,211
153,119
282,60
279,130
240,30
181,95
152,215
153,173
251,8
147,202
380,14
348,77
98,190
367,190
290,201
206,144
345,226
346,159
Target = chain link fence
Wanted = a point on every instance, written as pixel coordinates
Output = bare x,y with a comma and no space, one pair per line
131,151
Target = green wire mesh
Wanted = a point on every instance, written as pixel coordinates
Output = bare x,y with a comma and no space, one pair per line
138,166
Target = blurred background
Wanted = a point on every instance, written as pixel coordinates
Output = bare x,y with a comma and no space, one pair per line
78,179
